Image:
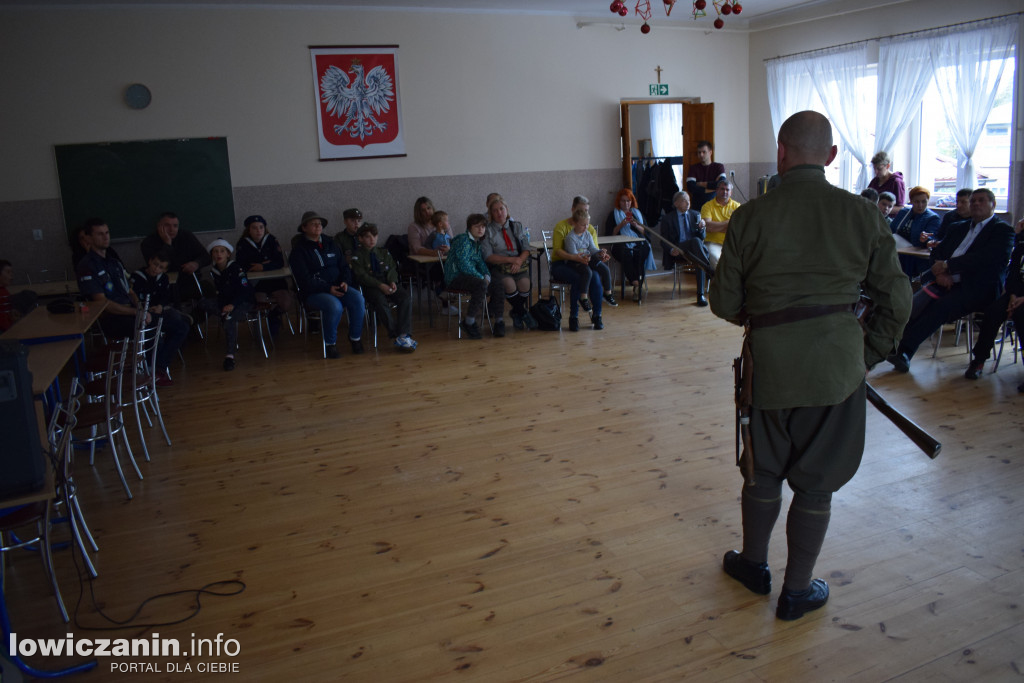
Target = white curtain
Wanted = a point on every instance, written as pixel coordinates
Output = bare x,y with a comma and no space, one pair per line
840,77
968,65
904,73
789,89
667,133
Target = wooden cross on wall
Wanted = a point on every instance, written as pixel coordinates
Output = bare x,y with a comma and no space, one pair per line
659,70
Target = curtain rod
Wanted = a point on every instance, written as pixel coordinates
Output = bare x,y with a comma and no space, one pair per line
897,35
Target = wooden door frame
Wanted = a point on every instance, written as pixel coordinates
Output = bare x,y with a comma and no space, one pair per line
627,140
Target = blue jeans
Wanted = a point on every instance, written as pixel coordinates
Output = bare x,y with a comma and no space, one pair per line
331,308
580,278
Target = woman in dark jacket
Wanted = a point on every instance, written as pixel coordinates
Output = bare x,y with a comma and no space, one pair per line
325,282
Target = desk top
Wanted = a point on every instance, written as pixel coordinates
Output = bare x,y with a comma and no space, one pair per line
58,288
41,324
420,258
45,361
268,274
920,252
601,240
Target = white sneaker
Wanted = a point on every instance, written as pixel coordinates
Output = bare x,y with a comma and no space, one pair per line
406,343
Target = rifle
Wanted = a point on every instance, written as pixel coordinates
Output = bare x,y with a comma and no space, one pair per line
922,439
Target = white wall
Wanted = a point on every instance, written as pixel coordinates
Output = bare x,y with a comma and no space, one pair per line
481,93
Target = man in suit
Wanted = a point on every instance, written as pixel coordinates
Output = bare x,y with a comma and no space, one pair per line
966,275
1008,306
685,228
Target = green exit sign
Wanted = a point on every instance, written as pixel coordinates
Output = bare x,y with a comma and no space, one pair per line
659,89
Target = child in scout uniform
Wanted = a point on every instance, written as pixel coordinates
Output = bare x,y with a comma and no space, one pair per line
376,272
235,296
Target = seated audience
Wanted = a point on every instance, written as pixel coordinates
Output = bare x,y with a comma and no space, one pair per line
377,274
578,255
1010,305
886,181
506,250
703,176
101,277
599,266
886,200
466,270
441,238
346,239
325,282
716,214
916,225
81,244
152,282
962,212
966,275
187,254
685,228
259,252
419,232
235,296
634,257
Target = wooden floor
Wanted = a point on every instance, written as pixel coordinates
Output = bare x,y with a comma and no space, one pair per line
549,506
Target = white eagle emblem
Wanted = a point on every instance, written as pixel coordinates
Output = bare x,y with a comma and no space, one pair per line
357,100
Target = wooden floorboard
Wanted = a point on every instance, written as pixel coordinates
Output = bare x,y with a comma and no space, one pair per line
545,507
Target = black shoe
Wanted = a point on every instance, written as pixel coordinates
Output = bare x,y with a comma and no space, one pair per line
974,369
471,331
795,605
702,300
357,345
610,299
900,361
530,321
586,305
332,351
598,323
574,324
756,577
499,328
518,322
229,363
1020,388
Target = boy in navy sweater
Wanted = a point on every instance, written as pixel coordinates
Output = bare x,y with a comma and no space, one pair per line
152,281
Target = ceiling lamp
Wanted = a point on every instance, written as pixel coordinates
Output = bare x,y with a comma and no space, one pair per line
643,10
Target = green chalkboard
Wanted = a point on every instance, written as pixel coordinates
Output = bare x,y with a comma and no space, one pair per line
129,184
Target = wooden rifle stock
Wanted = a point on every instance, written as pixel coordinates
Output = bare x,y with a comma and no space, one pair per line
925,441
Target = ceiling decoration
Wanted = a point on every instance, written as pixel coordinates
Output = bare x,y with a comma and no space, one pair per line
643,10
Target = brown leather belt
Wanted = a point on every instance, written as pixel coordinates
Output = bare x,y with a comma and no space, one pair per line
796,313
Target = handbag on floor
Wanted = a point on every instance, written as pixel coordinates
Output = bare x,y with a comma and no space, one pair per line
547,314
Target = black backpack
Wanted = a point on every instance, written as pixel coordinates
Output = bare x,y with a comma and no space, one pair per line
547,314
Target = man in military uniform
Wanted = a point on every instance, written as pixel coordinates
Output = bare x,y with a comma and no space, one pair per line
793,264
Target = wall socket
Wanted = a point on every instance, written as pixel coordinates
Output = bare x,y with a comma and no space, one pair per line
37,235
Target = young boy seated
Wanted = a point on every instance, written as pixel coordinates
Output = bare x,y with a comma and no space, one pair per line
152,281
439,238
235,296
376,272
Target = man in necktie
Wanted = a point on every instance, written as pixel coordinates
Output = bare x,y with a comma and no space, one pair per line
966,275
685,227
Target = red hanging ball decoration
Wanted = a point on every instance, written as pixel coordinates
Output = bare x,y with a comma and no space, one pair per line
623,11
726,8
700,4
645,29
719,23
615,7
737,8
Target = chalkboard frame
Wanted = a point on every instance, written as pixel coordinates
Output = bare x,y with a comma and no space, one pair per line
129,184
